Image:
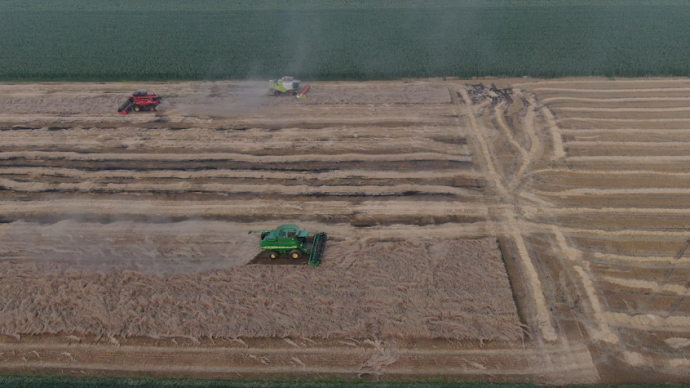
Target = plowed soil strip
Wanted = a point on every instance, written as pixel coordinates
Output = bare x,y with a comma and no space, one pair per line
156,174
232,188
206,208
378,145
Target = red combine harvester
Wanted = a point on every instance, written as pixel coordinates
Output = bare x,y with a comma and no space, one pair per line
138,101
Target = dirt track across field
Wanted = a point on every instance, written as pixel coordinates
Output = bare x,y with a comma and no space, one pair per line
579,186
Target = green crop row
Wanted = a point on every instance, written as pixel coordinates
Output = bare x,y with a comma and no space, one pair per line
235,5
540,41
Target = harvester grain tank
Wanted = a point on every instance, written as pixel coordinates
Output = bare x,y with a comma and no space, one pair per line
288,85
293,242
140,100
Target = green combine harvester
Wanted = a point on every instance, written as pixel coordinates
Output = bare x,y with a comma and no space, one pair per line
293,242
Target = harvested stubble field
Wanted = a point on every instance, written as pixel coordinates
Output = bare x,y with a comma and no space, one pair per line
450,290
124,250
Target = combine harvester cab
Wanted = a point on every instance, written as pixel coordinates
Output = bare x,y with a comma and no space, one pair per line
288,85
140,100
293,244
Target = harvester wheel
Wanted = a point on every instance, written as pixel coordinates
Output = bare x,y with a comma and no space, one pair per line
153,108
291,93
137,108
295,254
276,93
272,255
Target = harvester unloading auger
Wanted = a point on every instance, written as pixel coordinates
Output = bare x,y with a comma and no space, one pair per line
294,243
287,85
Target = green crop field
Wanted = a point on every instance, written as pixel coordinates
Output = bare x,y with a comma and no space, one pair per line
335,39
58,382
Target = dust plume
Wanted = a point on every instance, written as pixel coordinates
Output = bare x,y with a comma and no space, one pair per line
164,248
223,99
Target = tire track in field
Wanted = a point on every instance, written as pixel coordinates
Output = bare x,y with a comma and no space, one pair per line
557,140
509,222
644,169
536,147
507,132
